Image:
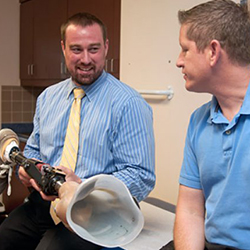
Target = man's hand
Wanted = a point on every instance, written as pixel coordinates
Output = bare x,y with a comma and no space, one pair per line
70,175
38,189
24,177
29,182
66,193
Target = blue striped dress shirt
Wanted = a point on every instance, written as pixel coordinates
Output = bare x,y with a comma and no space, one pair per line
116,132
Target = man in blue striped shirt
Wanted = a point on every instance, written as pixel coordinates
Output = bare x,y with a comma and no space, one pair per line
116,136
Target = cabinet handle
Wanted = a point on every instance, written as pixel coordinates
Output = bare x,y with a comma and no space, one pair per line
65,69
28,69
62,68
31,69
112,65
106,65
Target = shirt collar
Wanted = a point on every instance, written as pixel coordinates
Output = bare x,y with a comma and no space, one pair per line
93,88
88,89
216,115
70,87
245,108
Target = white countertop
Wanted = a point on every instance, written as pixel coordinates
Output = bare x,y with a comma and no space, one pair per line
157,230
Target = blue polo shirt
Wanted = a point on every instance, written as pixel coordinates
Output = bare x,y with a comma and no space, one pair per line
217,160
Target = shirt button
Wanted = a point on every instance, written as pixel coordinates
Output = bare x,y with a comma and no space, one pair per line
228,132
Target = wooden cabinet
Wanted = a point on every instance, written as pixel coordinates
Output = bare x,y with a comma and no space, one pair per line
26,40
41,58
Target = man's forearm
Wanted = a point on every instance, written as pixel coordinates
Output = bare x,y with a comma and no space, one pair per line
189,232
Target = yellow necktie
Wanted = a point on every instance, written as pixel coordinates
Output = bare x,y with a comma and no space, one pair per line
70,149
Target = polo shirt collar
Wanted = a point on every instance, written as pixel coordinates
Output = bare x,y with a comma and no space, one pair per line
216,115
245,108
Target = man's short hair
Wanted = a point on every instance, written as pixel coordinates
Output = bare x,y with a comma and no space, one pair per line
222,20
83,19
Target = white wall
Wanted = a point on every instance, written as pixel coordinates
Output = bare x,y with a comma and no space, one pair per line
149,49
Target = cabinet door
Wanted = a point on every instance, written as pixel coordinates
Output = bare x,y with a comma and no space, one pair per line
41,58
26,39
49,15
109,12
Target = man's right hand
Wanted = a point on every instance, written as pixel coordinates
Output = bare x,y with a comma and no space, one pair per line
24,177
29,182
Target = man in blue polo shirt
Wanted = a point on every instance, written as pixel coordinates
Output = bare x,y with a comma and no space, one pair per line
213,210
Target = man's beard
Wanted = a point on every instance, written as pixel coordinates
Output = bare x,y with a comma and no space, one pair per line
87,79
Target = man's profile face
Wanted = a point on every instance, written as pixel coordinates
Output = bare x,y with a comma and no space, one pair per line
194,63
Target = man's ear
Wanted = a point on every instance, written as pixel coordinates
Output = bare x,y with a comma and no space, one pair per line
214,52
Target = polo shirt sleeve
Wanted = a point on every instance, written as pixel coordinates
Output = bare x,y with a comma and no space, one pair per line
189,175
